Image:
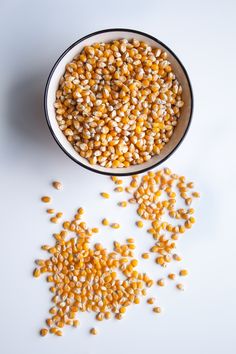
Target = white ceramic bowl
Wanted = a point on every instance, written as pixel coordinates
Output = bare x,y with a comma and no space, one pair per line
106,36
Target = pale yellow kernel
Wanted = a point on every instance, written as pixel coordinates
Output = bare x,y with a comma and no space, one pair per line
119,189
123,204
180,286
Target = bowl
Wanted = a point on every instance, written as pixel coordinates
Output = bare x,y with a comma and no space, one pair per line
106,36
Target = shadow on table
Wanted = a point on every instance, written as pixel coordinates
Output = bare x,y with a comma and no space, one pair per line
26,118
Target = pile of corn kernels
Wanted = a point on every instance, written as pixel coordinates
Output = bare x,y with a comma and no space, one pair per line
85,278
118,103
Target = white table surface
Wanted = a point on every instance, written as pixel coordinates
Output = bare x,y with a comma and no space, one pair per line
200,320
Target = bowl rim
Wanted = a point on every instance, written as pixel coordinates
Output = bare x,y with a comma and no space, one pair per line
49,81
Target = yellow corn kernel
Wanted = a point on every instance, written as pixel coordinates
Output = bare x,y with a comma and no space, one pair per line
95,230
196,195
54,220
50,211
161,282
172,276
105,222
46,199
151,300
43,332
105,195
115,225
145,255
139,223
183,272
36,272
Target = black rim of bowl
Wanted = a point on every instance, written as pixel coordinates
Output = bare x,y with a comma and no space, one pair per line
48,84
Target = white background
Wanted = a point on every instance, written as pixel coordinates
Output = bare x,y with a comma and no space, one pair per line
200,320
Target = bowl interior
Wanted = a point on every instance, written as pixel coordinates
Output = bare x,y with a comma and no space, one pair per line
58,71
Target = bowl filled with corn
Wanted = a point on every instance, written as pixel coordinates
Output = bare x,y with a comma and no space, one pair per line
118,102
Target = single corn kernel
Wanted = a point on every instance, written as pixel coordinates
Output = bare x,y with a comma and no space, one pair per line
119,189
180,286
94,331
95,230
57,185
105,222
59,333
196,195
161,282
105,195
157,309
151,300
122,309
176,257
50,211
54,220
59,215
115,225
46,199
76,323
130,240
145,255
183,272
123,204
139,223
66,225
36,272
43,332
172,276
80,211
107,315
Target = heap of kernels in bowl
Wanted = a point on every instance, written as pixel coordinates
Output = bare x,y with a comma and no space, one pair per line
118,102
86,278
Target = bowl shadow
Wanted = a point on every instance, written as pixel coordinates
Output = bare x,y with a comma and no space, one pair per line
26,119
